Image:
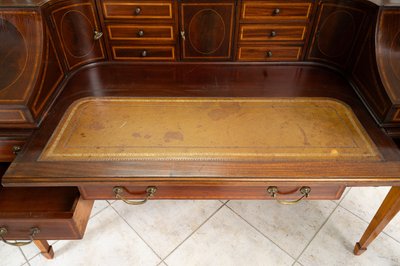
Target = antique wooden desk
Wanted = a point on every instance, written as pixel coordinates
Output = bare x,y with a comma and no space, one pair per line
137,100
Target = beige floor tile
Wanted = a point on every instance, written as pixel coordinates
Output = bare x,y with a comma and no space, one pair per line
98,206
289,226
10,256
365,201
165,224
108,241
228,240
334,244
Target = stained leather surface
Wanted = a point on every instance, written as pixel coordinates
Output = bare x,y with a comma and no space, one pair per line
242,129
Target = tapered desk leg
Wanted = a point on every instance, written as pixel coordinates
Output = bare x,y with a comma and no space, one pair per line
389,208
45,249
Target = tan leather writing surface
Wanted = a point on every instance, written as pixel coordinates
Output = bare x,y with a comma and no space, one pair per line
209,129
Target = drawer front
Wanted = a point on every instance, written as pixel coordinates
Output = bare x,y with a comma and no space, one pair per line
58,213
269,53
9,148
138,10
272,33
140,33
165,191
275,11
143,53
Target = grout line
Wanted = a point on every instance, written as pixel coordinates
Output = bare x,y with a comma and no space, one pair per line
368,222
136,233
23,254
320,228
261,233
99,211
194,231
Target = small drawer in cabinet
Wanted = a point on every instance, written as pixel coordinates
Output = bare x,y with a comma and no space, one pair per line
137,10
272,33
9,149
43,213
120,32
270,53
143,192
275,11
143,53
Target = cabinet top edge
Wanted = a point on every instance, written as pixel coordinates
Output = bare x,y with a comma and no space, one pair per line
39,3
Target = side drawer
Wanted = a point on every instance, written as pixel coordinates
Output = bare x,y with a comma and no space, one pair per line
270,53
275,11
58,213
165,191
124,32
271,32
143,53
137,10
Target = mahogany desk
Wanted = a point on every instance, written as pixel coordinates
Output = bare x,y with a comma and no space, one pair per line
55,53
375,163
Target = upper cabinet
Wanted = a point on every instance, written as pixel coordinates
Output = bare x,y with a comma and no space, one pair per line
340,26
78,30
207,30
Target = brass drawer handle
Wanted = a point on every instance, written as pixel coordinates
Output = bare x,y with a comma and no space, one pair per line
276,11
138,10
97,35
305,192
273,33
118,191
140,33
16,149
269,54
4,231
143,53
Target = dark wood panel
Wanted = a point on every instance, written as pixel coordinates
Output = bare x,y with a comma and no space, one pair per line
388,52
207,30
143,53
272,32
252,10
138,10
269,53
78,31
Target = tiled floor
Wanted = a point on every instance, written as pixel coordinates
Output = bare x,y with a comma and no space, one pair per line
225,233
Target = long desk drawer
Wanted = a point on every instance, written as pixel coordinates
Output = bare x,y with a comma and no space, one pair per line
58,213
165,191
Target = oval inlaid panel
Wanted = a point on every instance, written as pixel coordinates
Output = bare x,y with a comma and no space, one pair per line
13,54
336,34
75,29
395,55
212,31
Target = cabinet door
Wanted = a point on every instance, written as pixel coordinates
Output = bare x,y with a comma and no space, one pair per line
338,31
78,32
207,30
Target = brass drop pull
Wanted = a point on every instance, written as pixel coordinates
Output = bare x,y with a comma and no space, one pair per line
143,53
138,10
273,33
118,191
269,54
183,35
16,149
97,35
273,191
276,11
140,33
4,231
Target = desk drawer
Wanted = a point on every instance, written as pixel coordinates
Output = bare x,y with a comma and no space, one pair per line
165,191
140,33
58,213
269,53
275,11
271,32
143,53
137,10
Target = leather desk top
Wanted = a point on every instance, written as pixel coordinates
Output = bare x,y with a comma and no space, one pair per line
110,129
